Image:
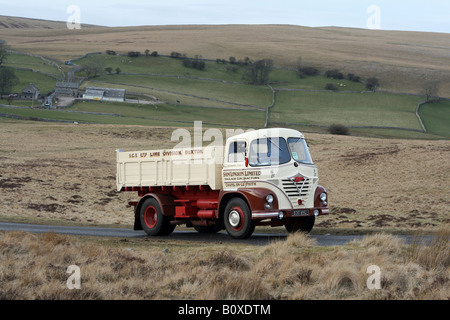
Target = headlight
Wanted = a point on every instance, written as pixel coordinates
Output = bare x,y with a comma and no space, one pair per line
323,197
269,198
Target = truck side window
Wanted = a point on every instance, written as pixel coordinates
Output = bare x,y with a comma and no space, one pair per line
237,151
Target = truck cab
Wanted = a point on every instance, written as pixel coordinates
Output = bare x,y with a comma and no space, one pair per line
273,170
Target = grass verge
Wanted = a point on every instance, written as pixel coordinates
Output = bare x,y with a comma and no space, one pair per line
34,267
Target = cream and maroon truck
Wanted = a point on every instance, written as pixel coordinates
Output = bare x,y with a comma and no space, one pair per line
259,178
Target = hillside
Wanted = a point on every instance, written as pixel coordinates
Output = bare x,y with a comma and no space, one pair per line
12,23
161,89
401,60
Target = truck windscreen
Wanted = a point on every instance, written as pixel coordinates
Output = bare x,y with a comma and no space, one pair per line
299,150
269,152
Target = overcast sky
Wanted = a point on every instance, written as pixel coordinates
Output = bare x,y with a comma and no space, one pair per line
413,15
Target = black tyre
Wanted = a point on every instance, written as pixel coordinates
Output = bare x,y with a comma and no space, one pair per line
237,219
305,224
153,221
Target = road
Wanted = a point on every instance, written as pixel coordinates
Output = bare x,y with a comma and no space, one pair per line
255,239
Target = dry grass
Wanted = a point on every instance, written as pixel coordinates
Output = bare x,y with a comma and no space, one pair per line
401,60
34,267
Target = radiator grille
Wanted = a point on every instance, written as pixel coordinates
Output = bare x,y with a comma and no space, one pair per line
297,189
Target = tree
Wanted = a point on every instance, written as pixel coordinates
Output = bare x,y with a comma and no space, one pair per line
118,70
187,62
109,70
134,54
353,77
258,72
431,90
338,129
303,72
8,80
3,53
92,67
330,86
176,55
196,63
335,74
372,84
147,53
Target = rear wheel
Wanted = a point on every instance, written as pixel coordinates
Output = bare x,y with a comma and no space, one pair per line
305,224
153,221
238,219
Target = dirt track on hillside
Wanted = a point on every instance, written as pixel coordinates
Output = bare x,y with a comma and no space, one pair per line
67,172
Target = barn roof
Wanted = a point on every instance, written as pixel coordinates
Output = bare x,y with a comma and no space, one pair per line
30,89
107,92
71,85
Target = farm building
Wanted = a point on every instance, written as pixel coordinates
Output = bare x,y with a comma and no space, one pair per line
104,94
31,92
67,89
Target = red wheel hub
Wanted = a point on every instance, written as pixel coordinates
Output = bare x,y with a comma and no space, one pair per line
150,217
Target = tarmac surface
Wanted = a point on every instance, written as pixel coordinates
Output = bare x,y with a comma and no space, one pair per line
220,237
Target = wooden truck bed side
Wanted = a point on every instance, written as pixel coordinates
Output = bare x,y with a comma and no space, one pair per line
174,167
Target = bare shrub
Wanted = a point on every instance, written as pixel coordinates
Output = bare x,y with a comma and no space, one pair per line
338,129
434,256
388,242
230,285
226,259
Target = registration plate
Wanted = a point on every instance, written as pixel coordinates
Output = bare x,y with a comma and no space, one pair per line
304,212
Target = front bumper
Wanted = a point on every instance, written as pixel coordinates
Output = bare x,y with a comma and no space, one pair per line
291,213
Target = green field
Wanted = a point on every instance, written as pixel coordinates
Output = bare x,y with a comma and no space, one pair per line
177,113
436,117
162,65
350,109
165,66
219,97
243,95
147,115
16,60
45,83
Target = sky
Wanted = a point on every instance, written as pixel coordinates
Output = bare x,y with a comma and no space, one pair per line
412,15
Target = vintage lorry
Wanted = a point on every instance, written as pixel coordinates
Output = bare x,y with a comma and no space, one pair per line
259,178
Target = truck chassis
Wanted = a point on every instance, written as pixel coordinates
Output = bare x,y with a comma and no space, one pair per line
208,211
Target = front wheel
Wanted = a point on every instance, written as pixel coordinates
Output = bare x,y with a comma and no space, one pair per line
305,224
153,221
238,219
